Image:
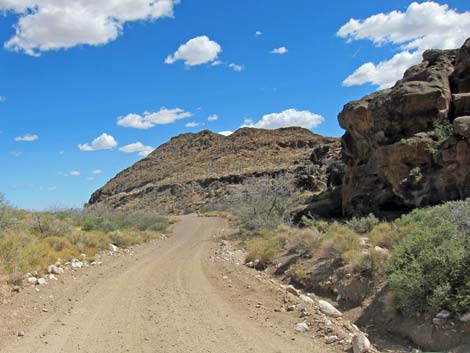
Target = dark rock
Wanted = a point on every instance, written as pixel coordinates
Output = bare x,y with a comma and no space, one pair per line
460,78
462,126
461,104
399,148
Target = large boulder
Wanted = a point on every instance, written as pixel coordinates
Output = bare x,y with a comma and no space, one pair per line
462,126
400,148
460,78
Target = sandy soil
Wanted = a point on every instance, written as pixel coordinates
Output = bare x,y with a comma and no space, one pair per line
174,295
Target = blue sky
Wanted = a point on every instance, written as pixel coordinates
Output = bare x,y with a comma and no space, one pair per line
66,81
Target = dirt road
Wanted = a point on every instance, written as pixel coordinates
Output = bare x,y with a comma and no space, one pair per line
169,297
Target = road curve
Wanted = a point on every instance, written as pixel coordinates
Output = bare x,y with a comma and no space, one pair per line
166,301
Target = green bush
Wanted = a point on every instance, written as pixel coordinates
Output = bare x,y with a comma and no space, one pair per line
101,224
363,225
429,267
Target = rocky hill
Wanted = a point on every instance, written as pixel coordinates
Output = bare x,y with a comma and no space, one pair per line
409,146
192,170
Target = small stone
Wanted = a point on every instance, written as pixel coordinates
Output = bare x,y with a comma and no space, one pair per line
250,264
76,264
301,327
307,299
328,309
113,248
465,317
55,270
41,282
444,314
20,333
360,343
331,339
291,289
291,308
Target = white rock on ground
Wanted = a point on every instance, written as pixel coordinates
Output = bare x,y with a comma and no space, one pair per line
76,264
360,343
41,281
55,270
328,309
444,314
291,289
113,248
465,317
301,327
32,280
307,299
331,339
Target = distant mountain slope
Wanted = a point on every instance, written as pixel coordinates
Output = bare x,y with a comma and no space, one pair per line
193,169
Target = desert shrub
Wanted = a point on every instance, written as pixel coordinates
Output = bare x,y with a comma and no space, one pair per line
159,226
104,220
429,267
8,216
442,130
34,240
299,274
363,225
322,225
264,247
122,239
46,225
101,224
292,237
15,278
387,235
262,202
340,240
10,256
371,261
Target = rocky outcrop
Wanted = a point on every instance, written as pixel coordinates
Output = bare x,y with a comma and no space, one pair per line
193,170
409,146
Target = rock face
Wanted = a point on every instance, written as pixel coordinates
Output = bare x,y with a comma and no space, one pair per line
409,146
192,170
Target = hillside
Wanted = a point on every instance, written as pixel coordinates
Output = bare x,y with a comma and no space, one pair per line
194,169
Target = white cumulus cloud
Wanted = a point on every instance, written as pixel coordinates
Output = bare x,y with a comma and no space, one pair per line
286,118
236,67
96,172
226,133
137,147
196,51
102,142
74,173
423,26
213,117
60,24
148,120
192,124
27,138
258,33
281,50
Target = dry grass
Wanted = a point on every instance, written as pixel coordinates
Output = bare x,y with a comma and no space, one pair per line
32,241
